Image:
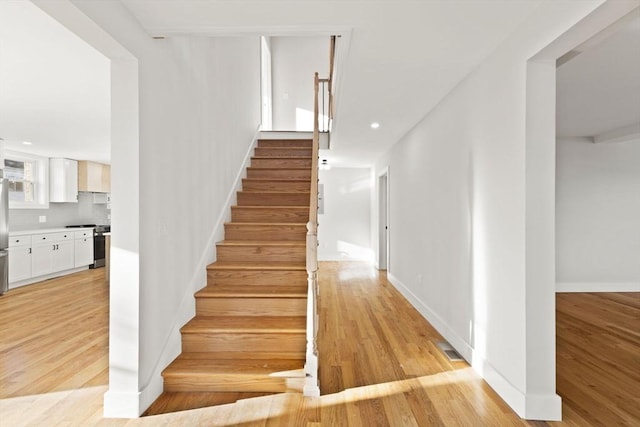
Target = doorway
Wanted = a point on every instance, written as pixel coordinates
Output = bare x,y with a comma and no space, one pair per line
383,220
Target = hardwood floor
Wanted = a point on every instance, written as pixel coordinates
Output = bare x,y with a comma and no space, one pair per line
379,365
54,335
598,357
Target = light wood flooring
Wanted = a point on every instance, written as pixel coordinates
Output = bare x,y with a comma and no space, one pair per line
379,365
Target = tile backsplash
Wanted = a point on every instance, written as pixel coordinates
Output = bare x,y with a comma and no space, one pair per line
60,214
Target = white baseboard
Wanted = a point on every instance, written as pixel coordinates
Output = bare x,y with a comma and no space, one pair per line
528,406
436,321
121,405
598,287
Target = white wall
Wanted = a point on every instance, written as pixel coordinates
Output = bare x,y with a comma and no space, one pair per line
344,231
294,61
195,105
598,216
464,222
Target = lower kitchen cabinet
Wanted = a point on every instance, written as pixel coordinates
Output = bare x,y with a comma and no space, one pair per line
19,263
34,257
83,251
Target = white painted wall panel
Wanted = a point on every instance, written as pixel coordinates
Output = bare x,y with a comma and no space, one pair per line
344,230
598,216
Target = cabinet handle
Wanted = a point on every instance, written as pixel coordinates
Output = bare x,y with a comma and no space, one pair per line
29,250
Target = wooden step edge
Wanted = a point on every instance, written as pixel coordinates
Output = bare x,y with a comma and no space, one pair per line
260,291
268,224
297,207
194,362
258,328
257,266
288,243
239,355
276,179
273,192
298,168
281,157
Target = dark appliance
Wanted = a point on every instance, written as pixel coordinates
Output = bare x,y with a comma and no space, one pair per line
99,249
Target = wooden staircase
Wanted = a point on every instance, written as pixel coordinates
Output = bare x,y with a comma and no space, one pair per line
249,333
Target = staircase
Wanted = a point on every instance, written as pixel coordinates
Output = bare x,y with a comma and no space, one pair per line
249,333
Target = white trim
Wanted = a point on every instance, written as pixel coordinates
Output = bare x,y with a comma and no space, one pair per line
387,203
543,407
598,287
187,309
285,134
36,279
434,319
121,404
214,31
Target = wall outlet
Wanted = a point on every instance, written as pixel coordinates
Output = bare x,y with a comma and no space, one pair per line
419,279
42,218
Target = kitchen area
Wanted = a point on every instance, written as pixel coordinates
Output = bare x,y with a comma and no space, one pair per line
54,218
55,150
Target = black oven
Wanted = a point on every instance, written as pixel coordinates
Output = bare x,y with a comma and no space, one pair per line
99,246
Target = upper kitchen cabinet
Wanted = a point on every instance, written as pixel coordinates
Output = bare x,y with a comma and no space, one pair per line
63,181
94,177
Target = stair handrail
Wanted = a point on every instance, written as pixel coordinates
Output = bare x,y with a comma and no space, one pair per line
311,386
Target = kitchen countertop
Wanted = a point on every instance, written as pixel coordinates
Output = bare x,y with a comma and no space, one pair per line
46,230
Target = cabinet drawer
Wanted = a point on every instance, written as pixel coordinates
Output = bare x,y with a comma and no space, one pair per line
82,234
51,237
17,241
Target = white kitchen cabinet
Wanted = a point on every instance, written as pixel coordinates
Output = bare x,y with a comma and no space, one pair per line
63,181
83,251
43,254
51,252
19,258
63,255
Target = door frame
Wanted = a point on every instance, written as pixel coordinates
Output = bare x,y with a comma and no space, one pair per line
383,196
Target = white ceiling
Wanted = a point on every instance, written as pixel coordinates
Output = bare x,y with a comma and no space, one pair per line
54,88
598,90
399,59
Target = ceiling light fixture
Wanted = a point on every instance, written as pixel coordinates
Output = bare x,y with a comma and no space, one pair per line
375,125
324,165
26,143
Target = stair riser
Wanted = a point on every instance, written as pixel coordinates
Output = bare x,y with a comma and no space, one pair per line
295,254
279,173
287,186
255,277
286,344
272,199
251,306
265,232
299,143
293,215
231,383
282,152
280,163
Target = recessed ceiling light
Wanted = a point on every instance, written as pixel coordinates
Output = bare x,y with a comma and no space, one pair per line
26,143
375,125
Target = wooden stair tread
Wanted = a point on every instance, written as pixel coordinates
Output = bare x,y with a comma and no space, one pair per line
267,224
197,366
274,192
277,179
261,243
302,207
245,324
226,265
253,291
294,168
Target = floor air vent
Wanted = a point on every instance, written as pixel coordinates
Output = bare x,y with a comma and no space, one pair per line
450,352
